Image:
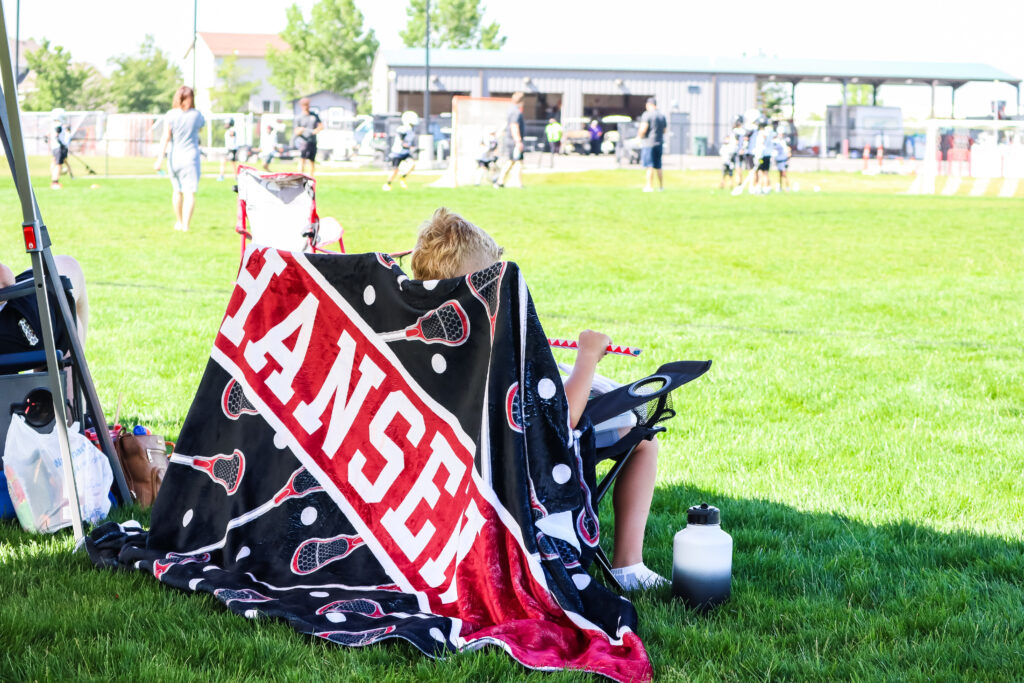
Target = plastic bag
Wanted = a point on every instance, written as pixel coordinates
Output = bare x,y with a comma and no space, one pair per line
35,477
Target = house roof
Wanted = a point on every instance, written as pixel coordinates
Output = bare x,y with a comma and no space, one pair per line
321,92
21,70
783,69
242,44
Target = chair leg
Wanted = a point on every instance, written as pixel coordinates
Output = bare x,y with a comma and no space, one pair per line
606,568
610,477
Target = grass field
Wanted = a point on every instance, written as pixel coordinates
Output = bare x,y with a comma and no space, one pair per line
861,428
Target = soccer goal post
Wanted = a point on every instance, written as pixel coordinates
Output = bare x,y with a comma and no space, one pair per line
974,153
472,119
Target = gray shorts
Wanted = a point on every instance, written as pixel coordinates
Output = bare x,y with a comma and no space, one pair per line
184,176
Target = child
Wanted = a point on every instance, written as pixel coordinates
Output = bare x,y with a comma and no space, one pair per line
738,136
728,154
59,138
763,151
782,154
488,155
268,146
402,149
450,246
230,148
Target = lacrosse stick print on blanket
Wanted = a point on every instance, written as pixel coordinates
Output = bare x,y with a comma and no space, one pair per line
371,457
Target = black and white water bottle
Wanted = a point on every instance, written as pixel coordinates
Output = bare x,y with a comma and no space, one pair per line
702,559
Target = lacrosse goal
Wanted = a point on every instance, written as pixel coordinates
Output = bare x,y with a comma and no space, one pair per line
974,157
472,118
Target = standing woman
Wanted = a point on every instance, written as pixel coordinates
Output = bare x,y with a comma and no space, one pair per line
181,131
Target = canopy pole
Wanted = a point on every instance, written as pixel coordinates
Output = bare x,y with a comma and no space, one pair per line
47,281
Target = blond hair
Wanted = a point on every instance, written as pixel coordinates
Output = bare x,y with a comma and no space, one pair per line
448,244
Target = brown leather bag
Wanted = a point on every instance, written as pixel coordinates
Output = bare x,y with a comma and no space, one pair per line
144,462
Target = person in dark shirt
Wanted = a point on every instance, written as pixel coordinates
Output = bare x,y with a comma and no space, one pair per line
596,135
307,125
652,140
513,151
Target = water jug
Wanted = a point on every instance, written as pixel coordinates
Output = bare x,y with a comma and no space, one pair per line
702,559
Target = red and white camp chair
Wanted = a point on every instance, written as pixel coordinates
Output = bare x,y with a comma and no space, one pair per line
279,210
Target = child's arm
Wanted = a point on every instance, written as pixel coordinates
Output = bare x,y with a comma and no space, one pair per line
593,347
164,143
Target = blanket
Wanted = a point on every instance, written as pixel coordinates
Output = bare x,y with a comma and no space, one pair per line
370,457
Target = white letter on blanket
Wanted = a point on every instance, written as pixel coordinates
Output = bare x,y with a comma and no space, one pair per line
461,540
290,360
273,264
396,521
396,403
310,415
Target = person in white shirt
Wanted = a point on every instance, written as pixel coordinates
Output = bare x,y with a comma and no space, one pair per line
738,143
230,148
728,154
782,154
763,150
403,150
268,146
59,138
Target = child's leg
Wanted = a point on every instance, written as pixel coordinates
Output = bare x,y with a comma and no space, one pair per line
631,499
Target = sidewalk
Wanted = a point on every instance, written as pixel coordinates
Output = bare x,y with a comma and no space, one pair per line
538,162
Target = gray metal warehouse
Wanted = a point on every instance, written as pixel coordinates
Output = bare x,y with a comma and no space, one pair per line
708,91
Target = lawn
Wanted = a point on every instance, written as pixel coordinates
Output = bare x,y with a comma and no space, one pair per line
860,428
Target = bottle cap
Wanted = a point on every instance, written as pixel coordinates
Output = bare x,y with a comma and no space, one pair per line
703,514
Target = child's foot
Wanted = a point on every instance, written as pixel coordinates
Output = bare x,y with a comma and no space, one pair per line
638,577
177,226
648,189
401,184
386,187
220,178
55,185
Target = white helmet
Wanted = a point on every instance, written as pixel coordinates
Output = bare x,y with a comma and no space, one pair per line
410,118
57,115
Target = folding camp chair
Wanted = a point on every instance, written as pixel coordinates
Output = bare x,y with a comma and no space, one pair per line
279,210
625,416
20,372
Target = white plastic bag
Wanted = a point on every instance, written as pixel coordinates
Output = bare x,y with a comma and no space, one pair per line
35,477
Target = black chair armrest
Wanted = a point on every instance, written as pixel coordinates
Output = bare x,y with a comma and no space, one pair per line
26,287
11,363
627,397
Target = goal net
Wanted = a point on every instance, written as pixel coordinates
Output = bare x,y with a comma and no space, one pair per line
85,127
472,119
972,156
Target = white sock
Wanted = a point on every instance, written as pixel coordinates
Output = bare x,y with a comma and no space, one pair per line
637,577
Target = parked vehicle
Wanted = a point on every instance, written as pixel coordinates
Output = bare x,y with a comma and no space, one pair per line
866,125
338,138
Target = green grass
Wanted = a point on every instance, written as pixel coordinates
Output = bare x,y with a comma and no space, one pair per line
860,427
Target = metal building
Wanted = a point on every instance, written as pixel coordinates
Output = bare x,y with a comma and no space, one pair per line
712,90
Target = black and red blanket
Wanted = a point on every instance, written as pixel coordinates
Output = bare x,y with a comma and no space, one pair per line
369,457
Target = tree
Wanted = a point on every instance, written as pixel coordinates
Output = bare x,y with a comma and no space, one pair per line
453,23
331,51
858,95
57,79
232,92
145,82
774,98
94,93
